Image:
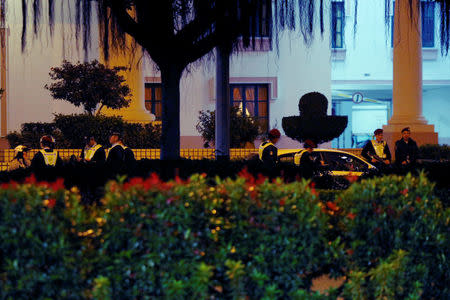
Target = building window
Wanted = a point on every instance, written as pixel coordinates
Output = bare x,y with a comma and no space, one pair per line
337,24
427,14
253,100
153,99
427,24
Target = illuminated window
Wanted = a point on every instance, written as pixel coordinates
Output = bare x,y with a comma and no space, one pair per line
253,100
153,99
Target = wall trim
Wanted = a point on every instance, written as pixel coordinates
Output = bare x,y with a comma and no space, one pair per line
152,79
271,81
389,82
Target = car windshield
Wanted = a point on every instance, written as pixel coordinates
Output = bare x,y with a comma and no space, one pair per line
343,162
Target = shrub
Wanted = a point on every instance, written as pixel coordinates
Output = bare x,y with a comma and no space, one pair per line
243,129
393,213
435,152
40,255
232,239
69,132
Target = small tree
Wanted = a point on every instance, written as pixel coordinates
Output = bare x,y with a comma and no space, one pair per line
243,128
89,84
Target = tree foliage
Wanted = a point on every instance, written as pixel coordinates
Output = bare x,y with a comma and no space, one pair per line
89,84
243,129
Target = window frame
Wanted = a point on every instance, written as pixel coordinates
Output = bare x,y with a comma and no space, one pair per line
431,31
153,101
335,7
255,86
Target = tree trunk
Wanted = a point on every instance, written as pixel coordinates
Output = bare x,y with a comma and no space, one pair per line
222,104
170,131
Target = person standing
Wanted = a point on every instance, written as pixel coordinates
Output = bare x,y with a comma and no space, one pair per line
21,160
310,163
47,156
116,153
406,150
268,153
93,152
377,151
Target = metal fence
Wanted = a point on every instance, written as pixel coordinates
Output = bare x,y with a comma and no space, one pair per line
7,155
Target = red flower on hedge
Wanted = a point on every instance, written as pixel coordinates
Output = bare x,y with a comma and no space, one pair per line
51,203
332,206
350,252
404,192
58,184
246,175
31,179
282,202
351,216
418,199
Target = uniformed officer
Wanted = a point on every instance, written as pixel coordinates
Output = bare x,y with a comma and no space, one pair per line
47,156
116,153
377,151
93,152
268,153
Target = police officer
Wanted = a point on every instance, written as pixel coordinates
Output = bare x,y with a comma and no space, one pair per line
47,156
377,151
116,153
268,153
406,150
93,152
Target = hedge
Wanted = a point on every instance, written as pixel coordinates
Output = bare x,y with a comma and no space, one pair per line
69,132
224,239
395,226
163,239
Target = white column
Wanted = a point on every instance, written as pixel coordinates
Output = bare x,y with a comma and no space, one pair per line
407,81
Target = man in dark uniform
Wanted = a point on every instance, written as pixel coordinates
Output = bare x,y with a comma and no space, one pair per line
93,152
406,150
268,153
377,151
116,154
310,163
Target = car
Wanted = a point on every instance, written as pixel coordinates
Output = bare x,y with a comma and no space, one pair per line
340,165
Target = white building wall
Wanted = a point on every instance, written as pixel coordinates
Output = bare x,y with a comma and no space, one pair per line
28,71
368,66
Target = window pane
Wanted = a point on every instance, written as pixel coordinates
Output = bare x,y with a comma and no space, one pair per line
158,93
158,109
148,93
237,94
250,94
262,109
427,24
148,105
250,108
262,92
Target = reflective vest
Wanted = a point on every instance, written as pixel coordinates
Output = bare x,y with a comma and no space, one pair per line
50,157
379,148
262,147
90,152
